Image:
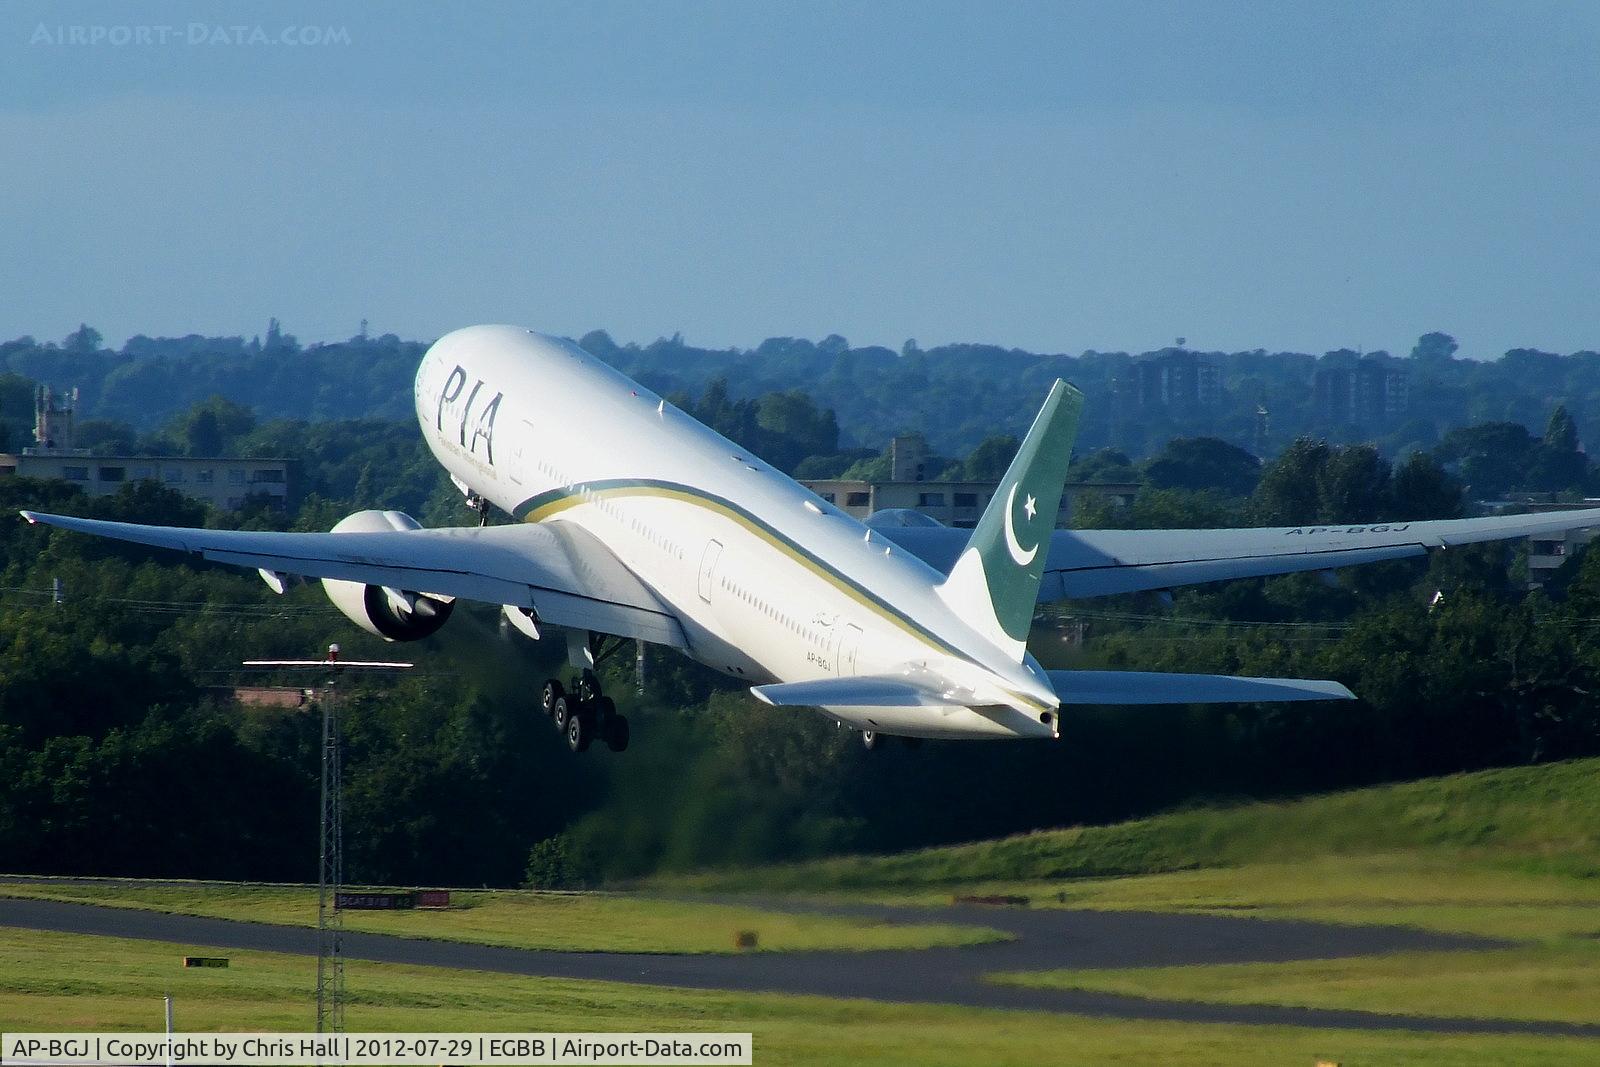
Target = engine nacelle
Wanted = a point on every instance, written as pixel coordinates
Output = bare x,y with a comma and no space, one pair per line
392,614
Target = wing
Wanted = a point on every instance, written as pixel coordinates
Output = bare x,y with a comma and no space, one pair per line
564,575
1090,563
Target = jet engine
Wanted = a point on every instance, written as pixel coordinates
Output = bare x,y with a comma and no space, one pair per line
392,614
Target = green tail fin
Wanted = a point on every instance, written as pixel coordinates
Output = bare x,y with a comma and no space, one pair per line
995,584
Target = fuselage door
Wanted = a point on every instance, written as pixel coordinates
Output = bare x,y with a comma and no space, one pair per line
849,644
708,567
514,471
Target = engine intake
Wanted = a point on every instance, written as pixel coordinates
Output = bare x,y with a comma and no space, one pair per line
392,614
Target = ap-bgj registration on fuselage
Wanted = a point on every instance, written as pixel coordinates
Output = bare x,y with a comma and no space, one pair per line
642,523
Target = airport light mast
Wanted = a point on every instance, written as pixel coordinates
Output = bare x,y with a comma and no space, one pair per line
330,865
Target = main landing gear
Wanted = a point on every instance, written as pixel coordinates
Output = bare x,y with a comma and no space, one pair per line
582,713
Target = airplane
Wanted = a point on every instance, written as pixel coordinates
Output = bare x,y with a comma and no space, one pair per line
639,523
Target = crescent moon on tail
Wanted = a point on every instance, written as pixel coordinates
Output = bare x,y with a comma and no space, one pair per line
1018,556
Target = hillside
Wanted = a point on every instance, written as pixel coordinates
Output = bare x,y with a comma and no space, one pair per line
1544,818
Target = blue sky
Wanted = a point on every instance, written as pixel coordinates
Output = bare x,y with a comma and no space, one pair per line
1054,176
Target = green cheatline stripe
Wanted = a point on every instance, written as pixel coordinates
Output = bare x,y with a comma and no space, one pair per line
552,501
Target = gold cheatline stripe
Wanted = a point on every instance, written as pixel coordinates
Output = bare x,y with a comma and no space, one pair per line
571,498
545,511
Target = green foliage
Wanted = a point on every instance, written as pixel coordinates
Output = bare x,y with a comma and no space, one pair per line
1353,486
1490,457
1157,509
1314,482
874,468
1496,458
213,427
964,393
1422,490
1203,463
1519,813
782,428
792,428
1434,348
453,776
85,339
106,437
1288,493
174,792
551,866
831,466
1104,465
457,772
988,462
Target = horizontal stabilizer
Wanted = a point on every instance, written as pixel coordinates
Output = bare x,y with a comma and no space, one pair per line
858,692
1143,687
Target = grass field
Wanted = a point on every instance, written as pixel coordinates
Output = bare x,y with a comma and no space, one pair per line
591,922
1508,854
1545,983
1553,973
1512,854
1542,820
59,981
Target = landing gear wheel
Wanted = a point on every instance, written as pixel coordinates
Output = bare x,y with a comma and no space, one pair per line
578,732
869,739
553,692
561,713
617,733
587,687
611,727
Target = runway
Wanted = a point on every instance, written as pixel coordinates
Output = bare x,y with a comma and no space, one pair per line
1044,939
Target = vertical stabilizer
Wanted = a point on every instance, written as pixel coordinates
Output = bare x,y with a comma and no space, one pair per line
995,583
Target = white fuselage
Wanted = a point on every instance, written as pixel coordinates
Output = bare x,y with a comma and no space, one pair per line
770,582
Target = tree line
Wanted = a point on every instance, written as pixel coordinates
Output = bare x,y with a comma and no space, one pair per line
122,750
964,392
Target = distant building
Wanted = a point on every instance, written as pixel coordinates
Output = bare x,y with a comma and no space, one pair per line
1547,552
222,482
1171,379
219,481
958,504
908,459
53,415
1370,390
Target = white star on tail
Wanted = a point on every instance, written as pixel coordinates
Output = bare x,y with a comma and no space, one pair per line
1029,508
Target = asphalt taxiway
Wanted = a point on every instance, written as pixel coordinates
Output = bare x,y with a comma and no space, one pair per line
1042,939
